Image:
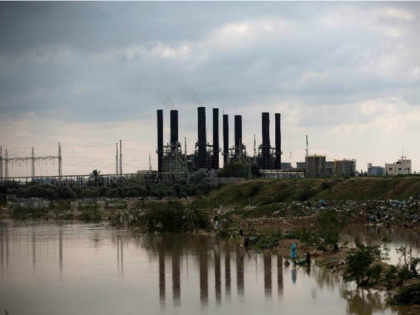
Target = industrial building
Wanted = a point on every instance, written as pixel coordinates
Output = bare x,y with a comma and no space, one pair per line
329,167
375,170
344,167
315,166
269,158
171,159
401,167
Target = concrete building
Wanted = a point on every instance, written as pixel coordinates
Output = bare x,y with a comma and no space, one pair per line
286,165
344,167
329,168
401,167
375,170
301,165
315,166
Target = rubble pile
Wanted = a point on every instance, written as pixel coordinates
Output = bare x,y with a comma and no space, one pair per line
396,212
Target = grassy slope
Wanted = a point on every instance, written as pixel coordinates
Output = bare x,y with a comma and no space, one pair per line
264,192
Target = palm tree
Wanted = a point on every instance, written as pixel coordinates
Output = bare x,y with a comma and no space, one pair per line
95,175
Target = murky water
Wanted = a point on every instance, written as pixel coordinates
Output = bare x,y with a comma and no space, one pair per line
76,268
398,237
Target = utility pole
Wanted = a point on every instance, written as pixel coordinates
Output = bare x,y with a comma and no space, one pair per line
33,163
121,170
255,147
116,159
150,163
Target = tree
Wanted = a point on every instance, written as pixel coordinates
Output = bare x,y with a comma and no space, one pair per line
95,175
359,264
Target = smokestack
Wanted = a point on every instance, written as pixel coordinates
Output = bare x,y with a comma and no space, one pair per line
216,138
238,134
265,140
174,127
160,139
225,139
277,164
202,137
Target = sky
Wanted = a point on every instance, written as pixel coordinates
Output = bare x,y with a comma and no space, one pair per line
87,74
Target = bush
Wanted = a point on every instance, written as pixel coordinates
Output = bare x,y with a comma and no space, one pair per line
408,295
326,232
173,217
359,264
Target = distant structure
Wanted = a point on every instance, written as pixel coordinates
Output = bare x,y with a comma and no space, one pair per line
329,168
315,166
286,166
269,158
171,158
344,167
375,170
401,167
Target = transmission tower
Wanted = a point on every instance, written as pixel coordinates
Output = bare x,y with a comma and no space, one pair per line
60,163
6,165
33,163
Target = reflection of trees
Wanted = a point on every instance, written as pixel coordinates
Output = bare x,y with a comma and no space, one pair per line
324,278
364,302
398,236
267,275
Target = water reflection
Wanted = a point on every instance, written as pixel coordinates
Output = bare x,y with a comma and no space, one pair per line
227,271
217,274
267,276
280,276
240,279
204,268
197,271
363,302
176,274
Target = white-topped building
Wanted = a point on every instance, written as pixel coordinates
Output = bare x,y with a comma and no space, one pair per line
401,167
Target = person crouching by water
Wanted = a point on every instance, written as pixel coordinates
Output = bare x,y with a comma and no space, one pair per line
293,251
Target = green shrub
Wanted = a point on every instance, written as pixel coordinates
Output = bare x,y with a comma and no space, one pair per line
173,217
408,295
359,264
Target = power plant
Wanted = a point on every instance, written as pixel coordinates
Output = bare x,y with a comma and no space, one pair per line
172,160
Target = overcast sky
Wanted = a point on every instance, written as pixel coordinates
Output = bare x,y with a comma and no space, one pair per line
89,74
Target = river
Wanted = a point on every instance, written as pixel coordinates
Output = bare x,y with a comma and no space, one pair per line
79,268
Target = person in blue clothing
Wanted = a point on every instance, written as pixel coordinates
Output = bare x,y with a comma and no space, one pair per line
293,251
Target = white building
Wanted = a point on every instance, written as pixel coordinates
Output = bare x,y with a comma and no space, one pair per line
401,167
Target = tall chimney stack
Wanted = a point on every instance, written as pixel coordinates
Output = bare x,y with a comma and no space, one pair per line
238,134
277,164
160,139
202,137
225,139
216,138
265,141
174,127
